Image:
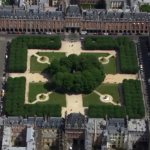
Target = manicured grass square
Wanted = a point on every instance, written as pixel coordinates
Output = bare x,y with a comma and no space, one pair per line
37,88
52,55
97,54
111,89
92,99
110,68
36,67
56,98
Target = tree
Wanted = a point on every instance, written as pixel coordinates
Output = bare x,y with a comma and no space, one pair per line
80,73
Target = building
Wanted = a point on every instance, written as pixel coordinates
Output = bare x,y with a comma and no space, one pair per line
117,133
18,134
51,132
95,133
137,129
44,18
72,132
74,129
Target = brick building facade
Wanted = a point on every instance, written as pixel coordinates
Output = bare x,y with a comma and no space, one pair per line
74,20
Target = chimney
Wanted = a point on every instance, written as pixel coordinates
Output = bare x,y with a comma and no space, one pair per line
95,131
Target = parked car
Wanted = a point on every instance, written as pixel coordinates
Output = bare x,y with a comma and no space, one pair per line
13,32
4,74
23,32
82,38
100,34
48,32
124,34
130,33
18,32
39,32
33,33
8,32
95,34
4,82
105,33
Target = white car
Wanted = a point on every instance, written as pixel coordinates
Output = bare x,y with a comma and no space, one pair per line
3,91
48,32
6,56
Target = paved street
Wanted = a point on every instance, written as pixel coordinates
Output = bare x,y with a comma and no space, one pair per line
146,63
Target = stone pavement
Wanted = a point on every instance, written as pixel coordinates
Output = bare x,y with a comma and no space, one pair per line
74,104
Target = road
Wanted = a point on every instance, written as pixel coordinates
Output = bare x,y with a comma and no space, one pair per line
146,63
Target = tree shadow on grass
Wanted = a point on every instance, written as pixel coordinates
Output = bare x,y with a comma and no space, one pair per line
45,70
49,86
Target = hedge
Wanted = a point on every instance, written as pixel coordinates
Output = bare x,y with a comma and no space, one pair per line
15,99
128,57
126,48
134,106
19,46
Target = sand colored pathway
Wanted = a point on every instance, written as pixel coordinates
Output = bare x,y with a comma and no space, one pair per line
118,78
106,101
74,104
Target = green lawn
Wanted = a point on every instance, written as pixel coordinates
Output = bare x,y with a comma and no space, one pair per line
110,68
36,88
52,55
36,67
56,97
111,89
97,54
92,99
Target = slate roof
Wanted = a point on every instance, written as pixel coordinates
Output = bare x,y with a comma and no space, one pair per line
75,120
101,14
52,122
32,14
73,11
117,125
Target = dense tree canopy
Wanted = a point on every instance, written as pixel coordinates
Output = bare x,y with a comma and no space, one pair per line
15,99
134,106
19,46
78,73
145,8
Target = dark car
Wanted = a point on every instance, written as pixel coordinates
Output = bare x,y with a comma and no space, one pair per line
124,34
8,32
39,32
13,32
100,34
33,33
44,32
23,33
130,33
4,74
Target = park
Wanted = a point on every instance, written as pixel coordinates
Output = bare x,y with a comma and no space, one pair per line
42,77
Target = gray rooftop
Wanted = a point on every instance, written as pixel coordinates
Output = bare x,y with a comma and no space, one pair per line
137,125
73,11
52,122
117,126
75,120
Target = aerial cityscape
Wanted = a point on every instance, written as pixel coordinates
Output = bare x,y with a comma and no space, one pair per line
75,74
